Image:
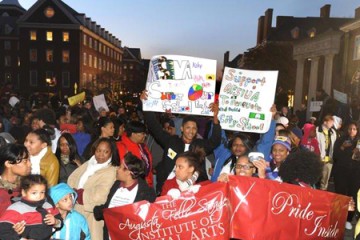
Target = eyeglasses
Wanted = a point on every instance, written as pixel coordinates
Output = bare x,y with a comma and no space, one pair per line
245,167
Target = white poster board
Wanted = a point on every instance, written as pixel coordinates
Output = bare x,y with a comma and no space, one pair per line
340,96
99,101
182,84
315,106
245,99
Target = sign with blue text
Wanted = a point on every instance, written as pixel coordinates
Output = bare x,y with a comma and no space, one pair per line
181,84
245,99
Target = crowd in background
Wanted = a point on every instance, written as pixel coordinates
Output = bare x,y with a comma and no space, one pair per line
84,160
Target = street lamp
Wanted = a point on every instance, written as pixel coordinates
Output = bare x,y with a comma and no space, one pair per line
48,82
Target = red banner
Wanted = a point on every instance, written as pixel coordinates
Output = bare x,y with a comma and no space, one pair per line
246,208
263,209
204,215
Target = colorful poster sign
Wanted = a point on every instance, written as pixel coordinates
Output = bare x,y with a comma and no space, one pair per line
76,99
182,84
264,209
245,99
244,208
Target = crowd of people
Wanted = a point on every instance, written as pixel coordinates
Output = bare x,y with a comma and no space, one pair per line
61,166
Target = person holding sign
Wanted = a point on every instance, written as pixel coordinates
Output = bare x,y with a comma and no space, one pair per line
174,145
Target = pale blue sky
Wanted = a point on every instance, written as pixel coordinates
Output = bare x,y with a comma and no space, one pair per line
199,28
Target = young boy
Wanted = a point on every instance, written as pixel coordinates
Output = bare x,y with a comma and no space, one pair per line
75,225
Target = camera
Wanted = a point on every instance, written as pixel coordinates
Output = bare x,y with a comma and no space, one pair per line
254,156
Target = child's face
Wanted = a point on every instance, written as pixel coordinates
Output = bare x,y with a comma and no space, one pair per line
66,203
34,193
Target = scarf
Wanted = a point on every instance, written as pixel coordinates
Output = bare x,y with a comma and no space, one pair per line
185,185
35,161
92,167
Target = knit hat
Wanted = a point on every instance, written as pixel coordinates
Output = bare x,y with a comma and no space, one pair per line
298,132
283,120
337,121
285,141
59,191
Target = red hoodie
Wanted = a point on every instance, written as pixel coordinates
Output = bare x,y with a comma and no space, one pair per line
126,145
310,143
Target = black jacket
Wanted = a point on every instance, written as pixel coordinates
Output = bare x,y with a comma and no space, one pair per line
144,193
174,144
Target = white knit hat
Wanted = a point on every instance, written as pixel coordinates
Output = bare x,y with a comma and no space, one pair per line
283,120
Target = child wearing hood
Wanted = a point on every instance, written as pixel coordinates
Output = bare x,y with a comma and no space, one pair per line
309,138
75,225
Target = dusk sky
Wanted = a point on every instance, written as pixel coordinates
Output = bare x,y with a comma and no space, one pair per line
202,28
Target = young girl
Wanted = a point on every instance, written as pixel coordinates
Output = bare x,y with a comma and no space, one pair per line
40,216
129,187
67,154
43,161
187,170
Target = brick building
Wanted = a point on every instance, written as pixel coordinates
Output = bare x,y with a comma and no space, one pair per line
59,50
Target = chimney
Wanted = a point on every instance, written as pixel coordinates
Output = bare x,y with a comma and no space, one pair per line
357,13
260,31
325,11
267,23
226,58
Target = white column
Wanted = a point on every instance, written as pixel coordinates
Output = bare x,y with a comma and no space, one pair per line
312,82
328,68
298,98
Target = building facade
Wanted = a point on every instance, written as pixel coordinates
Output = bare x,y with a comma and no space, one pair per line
134,78
62,51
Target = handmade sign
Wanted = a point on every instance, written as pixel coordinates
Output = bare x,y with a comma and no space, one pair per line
76,99
340,96
264,209
315,106
100,102
204,215
245,99
181,84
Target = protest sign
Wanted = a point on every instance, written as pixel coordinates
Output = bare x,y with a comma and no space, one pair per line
315,106
76,99
264,209
204,215
340,96
181,84
100,102
245,99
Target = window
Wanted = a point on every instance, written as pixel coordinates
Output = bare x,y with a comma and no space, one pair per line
295,33
8,77
65,56
84,40
84,77
49,55
90,42
33,55
7,45
33,36
84,60
125,66
90,60
65,76
312,32
90,78
131,66
95,45
357,48
100,63
95,62
49,12
8,29
7,61
33,78
49,36
100,46
49,75
66,36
